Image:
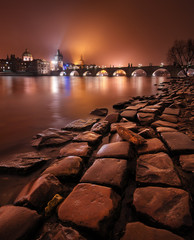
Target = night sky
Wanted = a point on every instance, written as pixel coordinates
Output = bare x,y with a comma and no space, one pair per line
104,31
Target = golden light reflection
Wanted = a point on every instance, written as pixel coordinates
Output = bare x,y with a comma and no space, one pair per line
29,86
54,85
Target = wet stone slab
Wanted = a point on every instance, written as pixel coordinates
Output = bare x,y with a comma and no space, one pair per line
136,107
100,127
128,125
139,231
129,114
145,118
107,171
23,163
81,149
38,192
99,111
90,206
65,168
167,206
160,123
178,142
80,124
147,133
187,162
150,110
59,232
114,150
152,145
169,118
172,111
91,137
165,129
156,168
17,222
112,117
115,138
51,137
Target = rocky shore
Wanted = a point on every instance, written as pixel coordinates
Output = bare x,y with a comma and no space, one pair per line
128,174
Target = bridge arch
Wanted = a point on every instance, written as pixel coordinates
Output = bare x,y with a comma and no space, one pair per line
139,73
161,72
87,73
190,72
119,72
63,73
74,73
102,73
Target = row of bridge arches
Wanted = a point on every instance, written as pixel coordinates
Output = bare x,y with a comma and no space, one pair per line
136,73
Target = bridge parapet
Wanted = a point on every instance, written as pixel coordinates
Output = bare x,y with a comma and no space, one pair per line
128,70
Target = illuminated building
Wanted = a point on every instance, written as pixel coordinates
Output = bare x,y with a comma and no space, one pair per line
57,63
81,61
27,56
39,67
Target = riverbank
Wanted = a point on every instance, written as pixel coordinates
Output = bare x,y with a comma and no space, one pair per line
129,173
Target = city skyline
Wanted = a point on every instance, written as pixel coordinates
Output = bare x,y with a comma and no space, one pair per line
104,33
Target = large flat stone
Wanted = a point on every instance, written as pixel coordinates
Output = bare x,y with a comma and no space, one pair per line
160,123
90,206
145,118
100,111
115,138
152,145
128,125
169,118
23,163
129,114
107,171
114,150
39,191
178,142
150,110
100,127
17,222
165,129
139,231
167,206
147,133
136,107
156,168
112,118
57,231
187,162
65,168
51,137
172,111
81,125
89,136
81,149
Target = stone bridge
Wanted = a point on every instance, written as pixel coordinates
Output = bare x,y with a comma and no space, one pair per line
118,71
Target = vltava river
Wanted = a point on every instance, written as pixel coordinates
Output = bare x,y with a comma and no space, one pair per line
29,105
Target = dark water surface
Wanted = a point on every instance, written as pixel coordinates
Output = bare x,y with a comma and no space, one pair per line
29,105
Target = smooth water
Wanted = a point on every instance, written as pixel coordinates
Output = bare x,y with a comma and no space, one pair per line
29,105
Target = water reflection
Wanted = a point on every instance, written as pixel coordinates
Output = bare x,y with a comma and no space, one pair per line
31,104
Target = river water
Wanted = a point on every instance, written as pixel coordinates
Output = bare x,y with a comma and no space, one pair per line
29,105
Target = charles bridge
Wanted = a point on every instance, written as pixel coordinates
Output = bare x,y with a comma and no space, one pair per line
121,71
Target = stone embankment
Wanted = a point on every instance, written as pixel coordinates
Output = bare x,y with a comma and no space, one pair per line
128,175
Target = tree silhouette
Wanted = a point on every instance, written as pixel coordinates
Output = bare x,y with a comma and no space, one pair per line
181,54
